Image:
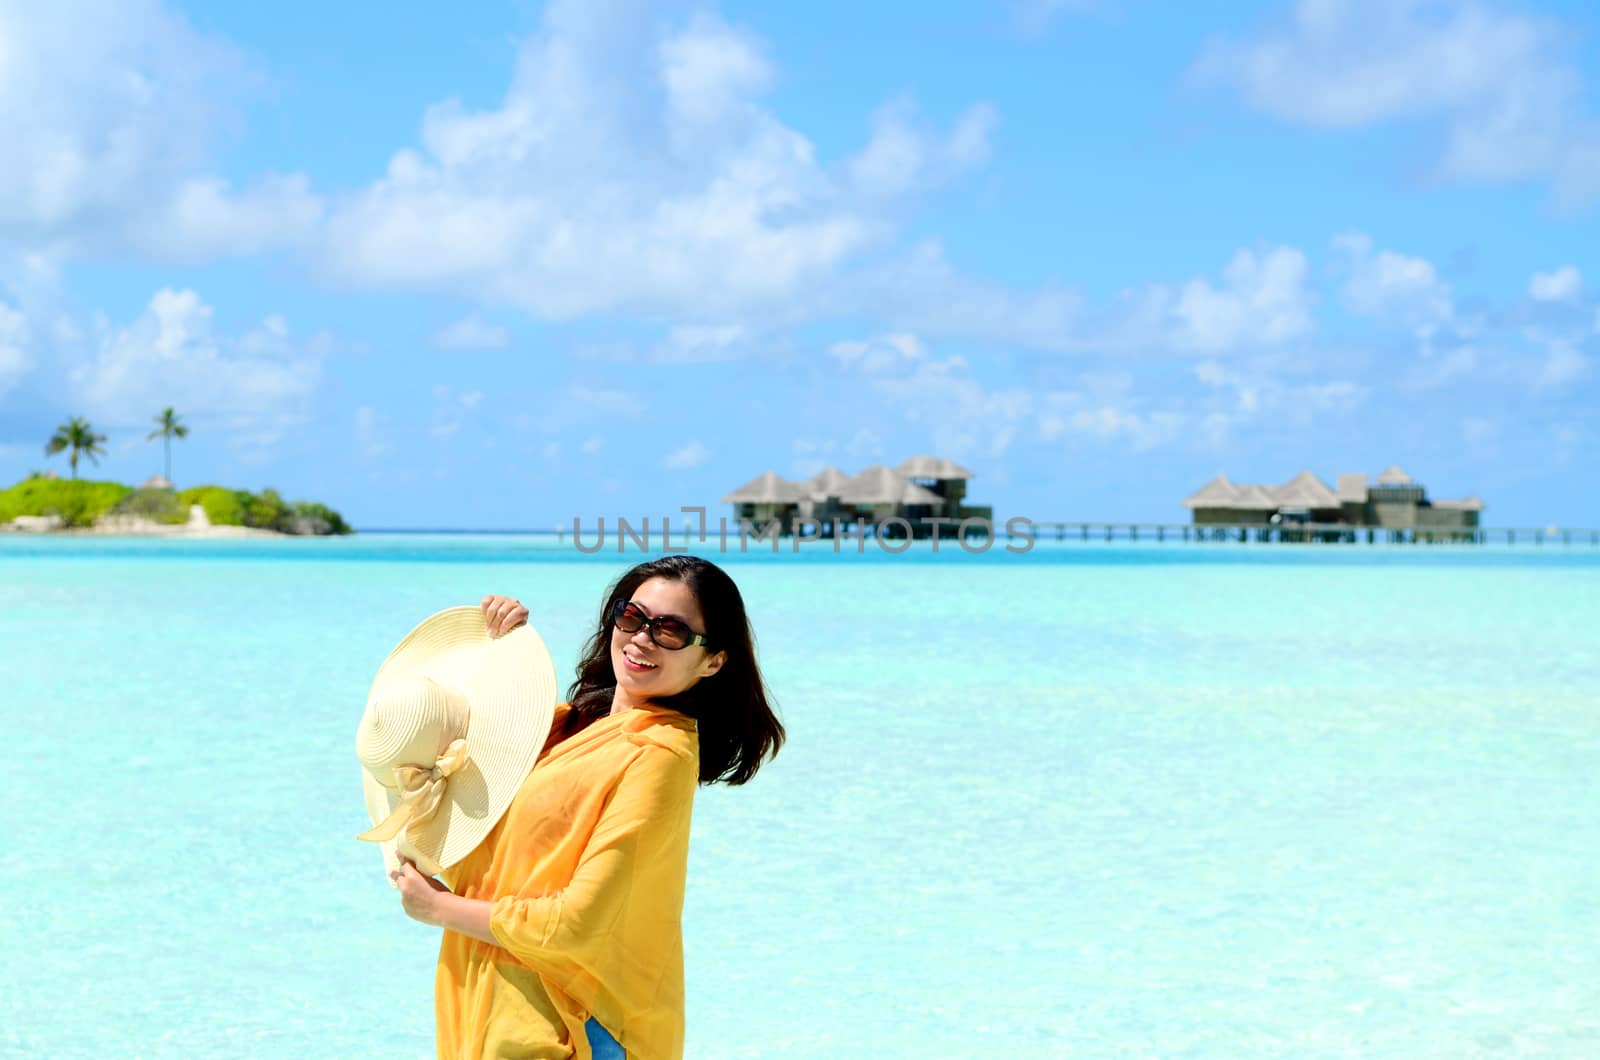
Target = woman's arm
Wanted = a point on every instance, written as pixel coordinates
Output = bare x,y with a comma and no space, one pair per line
428,900
646,822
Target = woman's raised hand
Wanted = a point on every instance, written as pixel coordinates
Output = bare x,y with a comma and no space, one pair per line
502,614
419,894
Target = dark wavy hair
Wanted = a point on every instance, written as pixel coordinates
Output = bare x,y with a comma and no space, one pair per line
738,729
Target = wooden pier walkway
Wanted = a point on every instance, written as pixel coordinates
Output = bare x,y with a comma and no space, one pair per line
1317,533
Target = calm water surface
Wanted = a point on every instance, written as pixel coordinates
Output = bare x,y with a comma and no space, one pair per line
1093,800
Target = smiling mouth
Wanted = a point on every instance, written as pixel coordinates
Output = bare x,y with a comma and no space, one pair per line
640,663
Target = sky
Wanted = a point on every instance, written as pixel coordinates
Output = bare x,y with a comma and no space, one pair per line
507,264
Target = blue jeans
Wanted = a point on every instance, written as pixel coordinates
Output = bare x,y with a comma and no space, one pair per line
604,1046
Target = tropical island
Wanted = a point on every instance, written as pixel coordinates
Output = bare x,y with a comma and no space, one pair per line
45,503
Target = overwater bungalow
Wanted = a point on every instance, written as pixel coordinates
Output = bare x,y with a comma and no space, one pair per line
1393,501
767,497
916,490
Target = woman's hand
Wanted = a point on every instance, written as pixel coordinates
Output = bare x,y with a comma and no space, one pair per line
419,894
502,614
428,900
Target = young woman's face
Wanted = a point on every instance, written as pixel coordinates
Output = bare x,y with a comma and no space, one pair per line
665,672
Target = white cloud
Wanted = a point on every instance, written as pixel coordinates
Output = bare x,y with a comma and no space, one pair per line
961,416
255,385
685,344
902,156
451,409
1210,373
1034,17
205,218
711,71
1105,409
1563,364
100,102
920,290
1338,395
1509,102
862,449
1256,393
472,332
688,455
702,344
1393,286
106,112
1444,369
1559,286
626,170
1263,299
882,354
1108,423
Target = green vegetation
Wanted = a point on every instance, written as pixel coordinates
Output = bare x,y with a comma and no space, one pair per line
266,510
316,518
83,503
80,503
79,437
161,506
222,505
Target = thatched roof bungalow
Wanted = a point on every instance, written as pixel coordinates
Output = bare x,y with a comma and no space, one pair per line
918,488
943,477
1394,499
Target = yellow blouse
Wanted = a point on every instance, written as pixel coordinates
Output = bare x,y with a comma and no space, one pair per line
586,871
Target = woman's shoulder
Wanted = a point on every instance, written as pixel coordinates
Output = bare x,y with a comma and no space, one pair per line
666,729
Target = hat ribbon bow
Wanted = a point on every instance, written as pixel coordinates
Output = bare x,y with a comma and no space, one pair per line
421,792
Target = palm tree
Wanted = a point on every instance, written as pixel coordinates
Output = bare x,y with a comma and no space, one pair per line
168,428
78,436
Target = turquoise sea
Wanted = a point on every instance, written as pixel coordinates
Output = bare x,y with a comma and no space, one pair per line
1091,800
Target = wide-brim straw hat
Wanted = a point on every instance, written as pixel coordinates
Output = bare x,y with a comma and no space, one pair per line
453,723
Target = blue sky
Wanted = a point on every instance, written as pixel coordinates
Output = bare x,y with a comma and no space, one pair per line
503,266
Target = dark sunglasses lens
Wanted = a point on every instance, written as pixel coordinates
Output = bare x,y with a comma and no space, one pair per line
670,633
627,617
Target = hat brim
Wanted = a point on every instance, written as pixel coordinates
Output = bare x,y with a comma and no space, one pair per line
509,683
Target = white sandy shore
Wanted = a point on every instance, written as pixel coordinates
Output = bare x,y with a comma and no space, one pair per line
198,526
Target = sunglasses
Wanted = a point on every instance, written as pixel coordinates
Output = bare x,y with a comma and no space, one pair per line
669,632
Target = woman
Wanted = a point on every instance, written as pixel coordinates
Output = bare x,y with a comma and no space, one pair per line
563,927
